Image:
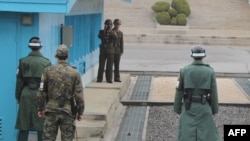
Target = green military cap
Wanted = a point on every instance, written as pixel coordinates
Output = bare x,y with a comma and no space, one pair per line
117,22
62,51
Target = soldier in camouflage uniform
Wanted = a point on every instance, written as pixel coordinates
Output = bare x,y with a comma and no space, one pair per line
196,100
118,47
28,79
59,84
106,52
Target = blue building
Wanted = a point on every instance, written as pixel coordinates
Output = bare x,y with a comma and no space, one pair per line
72,22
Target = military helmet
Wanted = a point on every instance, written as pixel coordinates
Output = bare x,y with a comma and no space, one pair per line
108,22
198,52
35,43
117,22
62,51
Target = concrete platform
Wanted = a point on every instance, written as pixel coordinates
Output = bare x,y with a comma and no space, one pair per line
102,100
228,90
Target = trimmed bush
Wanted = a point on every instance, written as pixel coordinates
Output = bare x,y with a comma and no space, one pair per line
172,12
173,21
175,13
181,6
163,18
181,19
161,6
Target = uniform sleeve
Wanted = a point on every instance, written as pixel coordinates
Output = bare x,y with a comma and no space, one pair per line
19,83
214,96
42,93
78,92
178,95
100,35
121,43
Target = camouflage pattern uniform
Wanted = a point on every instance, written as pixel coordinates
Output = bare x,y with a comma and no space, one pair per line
60,81
106,53
118,49
28,79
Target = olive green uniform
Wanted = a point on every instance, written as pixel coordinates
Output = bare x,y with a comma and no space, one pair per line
28,79
118,51
106,55
60,81
196,123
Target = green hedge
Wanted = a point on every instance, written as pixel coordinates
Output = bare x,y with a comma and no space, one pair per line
173,21
172,12
161,6
181,6
181,19
163,18
175,13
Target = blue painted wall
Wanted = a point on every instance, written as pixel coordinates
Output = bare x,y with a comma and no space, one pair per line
49,33
14,45
85,42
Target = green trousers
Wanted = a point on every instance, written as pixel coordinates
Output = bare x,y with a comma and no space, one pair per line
24,134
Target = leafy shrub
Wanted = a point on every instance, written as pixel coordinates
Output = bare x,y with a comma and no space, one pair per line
163,18
172,12
173,21
175,13
181,6
161,6
181,19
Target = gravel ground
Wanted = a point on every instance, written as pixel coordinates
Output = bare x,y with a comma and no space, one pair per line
163,122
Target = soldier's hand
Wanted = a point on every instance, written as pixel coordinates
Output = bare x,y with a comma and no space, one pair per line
79,117
41,114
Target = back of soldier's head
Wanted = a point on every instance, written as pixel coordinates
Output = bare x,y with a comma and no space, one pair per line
198,52
35,43
62,52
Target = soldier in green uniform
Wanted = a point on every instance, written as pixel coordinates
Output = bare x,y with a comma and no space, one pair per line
106,56
60,85
196,100
28,79
118,47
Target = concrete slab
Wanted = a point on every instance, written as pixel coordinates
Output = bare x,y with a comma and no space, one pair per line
228,90
98,101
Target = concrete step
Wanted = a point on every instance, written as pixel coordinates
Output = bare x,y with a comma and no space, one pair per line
205,14
186,35
91,128
135,14
88,130
101,102
186,39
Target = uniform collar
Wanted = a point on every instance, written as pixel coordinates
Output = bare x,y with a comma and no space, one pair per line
62,61
35,53
198,62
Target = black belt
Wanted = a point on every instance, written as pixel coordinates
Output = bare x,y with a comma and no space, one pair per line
196,98
199,99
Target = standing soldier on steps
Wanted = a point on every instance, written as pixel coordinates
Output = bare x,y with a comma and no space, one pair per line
60,89
118,47
28,79
196,88
106,52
